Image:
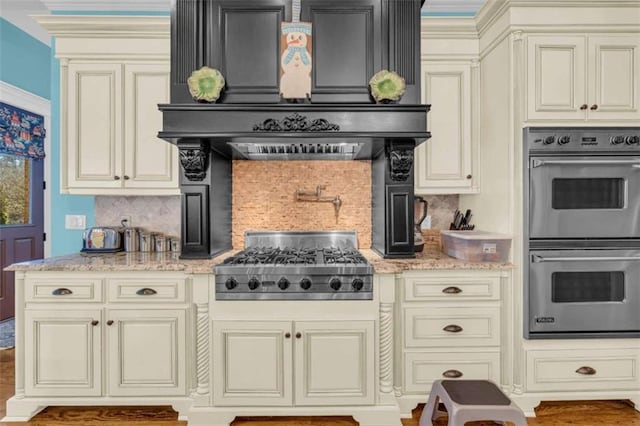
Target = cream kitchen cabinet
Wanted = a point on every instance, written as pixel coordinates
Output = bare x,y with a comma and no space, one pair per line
112,123
301,363
81,342
583,77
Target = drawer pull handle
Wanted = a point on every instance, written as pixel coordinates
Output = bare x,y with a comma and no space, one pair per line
95,322
452,374
584,106
586,371
146,292
61,292
452,328
593,107
452,290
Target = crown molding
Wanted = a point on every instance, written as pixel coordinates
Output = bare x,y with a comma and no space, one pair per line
452,6
444,27
111,5
105,26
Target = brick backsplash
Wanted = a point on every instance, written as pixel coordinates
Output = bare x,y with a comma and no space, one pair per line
158,214
264,197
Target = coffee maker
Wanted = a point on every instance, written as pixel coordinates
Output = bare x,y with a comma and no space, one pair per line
419,214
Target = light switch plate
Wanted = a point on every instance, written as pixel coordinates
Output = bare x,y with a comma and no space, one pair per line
75,221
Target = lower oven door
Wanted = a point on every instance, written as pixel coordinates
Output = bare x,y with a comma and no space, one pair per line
584,197
584,291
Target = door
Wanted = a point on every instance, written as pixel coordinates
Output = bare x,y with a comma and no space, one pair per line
584,291
252,363
443,165
557,80
584,197
63,352
346,48
94,126
614,77
21,220
146,352
334,363
149,162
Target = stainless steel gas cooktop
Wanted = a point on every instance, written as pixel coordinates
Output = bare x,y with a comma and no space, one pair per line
296,266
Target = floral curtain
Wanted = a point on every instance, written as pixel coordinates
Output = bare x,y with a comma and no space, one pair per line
21,132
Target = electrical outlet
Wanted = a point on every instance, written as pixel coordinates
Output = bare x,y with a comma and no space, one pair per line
75,221
125,220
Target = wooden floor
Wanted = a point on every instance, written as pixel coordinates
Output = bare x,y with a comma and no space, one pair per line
592,413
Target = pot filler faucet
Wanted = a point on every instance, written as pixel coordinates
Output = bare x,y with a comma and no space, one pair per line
317,197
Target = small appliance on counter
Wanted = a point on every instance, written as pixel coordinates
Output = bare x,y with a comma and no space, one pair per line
102,239
420,207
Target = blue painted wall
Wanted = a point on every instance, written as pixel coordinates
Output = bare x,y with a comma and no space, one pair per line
28,64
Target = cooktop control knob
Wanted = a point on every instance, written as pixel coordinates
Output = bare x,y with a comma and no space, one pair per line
305,283
335,284
357,284
632,140
617,140
231,283
549,140
253,283
283,283
563,140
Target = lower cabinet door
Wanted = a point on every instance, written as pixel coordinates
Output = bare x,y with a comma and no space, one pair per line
334,363
146,355
421,369
63,352
252,363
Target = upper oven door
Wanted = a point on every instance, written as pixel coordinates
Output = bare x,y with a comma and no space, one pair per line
581,291
584,197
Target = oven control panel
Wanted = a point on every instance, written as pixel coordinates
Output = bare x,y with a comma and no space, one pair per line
589,139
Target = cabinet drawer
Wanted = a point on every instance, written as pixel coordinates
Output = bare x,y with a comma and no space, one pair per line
63,289
432,327
421,369
146,290
602,369
451,286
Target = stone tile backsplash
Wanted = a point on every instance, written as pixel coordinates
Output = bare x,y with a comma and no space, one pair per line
158,214
264,199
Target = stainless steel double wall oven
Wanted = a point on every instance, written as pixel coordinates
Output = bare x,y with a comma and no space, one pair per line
582,232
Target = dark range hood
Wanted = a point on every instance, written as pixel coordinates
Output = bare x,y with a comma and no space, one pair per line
352,40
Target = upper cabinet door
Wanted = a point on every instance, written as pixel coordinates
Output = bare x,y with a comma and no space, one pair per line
614,76
94,125
244,44
557,79
444,162
149,161
346,48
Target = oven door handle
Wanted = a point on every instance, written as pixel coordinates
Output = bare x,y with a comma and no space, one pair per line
538,163
539,259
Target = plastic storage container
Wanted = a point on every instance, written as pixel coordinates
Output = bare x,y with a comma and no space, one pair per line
476,246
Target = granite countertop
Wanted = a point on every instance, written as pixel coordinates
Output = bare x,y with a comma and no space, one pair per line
170,261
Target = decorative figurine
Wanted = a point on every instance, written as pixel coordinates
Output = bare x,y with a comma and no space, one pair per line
206,84
295,80
387,86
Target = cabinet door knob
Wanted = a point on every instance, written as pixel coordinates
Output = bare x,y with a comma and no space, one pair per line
126,177
298,335
452,290
586,371
584,106
95,322
469,176
146,292
110,322
452,374
287,335
61,292
593,107
116,177
452,328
